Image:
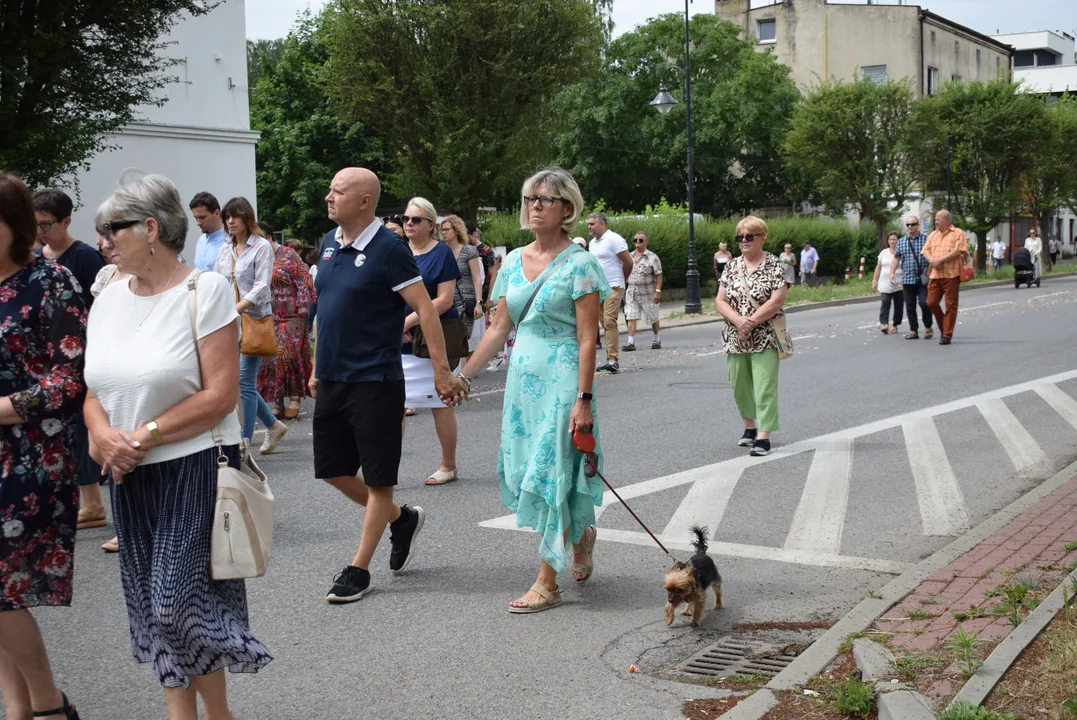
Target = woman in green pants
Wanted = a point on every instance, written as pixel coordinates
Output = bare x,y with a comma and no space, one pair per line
751,293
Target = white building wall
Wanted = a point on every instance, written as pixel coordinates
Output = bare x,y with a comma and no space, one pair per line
201,137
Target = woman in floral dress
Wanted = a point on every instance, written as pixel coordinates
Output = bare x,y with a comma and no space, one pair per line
42,336
548,392
286,375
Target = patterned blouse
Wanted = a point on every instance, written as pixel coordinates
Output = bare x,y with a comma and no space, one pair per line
292,285
253,271
746,292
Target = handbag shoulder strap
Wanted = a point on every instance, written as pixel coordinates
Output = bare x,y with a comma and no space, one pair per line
235,280
192,305
544,277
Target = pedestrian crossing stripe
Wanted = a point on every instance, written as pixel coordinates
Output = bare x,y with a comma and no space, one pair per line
814,537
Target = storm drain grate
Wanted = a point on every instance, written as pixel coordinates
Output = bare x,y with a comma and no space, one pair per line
734,656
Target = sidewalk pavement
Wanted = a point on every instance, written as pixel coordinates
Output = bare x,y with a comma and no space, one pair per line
1032,546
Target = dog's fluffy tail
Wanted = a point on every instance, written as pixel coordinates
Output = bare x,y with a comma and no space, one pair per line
700,543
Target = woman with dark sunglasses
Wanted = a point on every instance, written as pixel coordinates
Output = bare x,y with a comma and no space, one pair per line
750,295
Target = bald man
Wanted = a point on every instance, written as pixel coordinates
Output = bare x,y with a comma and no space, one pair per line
365,278
945,250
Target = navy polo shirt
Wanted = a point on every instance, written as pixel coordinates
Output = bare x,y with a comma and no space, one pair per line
360,310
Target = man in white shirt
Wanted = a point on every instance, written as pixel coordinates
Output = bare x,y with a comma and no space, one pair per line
611,250
207,215
998,253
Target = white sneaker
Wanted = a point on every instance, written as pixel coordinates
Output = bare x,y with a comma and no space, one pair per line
496,365
273,438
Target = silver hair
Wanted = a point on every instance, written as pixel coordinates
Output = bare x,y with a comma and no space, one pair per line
426,208
643,234
946,214
560,183
149,196
601,217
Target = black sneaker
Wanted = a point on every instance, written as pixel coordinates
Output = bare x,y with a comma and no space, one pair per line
402,535
944,340
760,448
747,438
613,368
351,584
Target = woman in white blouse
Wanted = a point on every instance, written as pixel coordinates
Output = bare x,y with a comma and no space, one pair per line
889,292
247,261
150,408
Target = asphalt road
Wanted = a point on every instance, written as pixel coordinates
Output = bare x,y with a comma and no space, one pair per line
888,448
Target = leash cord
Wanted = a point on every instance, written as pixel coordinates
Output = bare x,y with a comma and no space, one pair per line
626,506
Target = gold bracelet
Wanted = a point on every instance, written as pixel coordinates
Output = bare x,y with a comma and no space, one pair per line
155,433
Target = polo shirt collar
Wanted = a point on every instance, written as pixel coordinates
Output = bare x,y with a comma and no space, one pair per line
364,237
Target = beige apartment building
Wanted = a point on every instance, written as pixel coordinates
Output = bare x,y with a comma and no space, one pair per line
820,40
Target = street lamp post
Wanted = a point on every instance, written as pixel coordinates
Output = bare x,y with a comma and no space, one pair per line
664,102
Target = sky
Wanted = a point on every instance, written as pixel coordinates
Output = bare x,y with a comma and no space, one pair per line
273,18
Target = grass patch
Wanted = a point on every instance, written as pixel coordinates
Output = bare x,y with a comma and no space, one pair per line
911,665
846,646
917,614
964,710
1070,547
854,697
929,601
753,680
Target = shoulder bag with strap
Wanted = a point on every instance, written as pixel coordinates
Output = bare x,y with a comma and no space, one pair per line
543,278
782,341
456,337
258,337
241,541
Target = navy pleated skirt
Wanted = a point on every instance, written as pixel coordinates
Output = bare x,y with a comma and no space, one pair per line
181,620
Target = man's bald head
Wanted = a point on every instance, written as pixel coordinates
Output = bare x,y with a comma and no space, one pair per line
353,197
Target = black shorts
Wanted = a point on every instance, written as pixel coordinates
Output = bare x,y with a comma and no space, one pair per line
359,425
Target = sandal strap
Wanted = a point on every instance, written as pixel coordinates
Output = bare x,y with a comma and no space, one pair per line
63,710
546,594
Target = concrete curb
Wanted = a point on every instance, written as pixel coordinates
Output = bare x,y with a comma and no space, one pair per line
671,324
999,661
815,659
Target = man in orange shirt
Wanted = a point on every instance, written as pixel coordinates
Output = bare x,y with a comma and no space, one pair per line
944,251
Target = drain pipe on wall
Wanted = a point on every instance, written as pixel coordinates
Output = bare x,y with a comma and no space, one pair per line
920,15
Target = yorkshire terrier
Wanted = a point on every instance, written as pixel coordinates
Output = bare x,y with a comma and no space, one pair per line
687,582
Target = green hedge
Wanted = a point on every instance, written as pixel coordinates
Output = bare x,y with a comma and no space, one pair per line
833,239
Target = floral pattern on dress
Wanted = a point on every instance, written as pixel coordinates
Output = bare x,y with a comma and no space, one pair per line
285,376
745,292
541,473
42,339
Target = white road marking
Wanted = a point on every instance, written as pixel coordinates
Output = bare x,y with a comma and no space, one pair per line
820,516
706,502
1062,403
942,506
753,552
708,354
1047,295
804,337
484,393
865,327
981,307
1025,453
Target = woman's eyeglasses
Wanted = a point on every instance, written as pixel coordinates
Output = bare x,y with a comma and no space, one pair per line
109,229
544,201
750,237
413,219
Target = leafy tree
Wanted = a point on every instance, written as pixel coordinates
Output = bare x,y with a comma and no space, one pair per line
1050,183
862,143
260,55
625,152
460,90
990,130
303,142
72,71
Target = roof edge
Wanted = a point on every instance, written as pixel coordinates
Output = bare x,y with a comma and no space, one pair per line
925,13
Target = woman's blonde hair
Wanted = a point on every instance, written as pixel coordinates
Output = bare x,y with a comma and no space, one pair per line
753,225
427,210
559,183
458,225
723,246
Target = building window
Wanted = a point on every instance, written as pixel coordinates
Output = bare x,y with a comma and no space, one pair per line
932,80
877,73
957,51
977,64
956,78
767,30
1024,58
932,37
998,67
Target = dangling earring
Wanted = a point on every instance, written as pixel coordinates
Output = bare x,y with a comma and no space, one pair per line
152,250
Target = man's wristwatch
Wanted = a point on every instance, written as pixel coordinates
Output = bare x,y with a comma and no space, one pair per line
585,396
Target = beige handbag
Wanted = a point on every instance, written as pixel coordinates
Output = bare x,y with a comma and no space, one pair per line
241,542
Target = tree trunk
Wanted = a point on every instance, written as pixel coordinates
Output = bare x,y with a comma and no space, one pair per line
880,232
1044,230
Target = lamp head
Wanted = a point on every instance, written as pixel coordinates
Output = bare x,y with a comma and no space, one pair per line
663,102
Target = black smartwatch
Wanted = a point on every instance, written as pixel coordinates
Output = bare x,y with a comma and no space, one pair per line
585,396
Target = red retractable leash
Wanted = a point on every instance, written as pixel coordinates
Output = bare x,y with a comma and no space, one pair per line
585,443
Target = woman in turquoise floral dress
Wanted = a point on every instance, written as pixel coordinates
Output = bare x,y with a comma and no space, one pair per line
548,391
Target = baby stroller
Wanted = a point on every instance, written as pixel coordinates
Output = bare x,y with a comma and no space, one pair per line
1023,270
